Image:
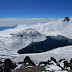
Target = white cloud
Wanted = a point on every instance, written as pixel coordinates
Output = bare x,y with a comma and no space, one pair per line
14,21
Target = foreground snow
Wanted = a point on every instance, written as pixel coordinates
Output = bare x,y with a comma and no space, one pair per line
59,53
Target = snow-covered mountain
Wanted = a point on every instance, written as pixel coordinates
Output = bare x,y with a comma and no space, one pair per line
53,27
30,34
22,35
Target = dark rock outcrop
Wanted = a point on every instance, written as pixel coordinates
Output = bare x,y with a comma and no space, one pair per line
66,19
70,64
65,64
29,61
7,66
53,59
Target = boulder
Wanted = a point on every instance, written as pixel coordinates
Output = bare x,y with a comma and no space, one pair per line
27,60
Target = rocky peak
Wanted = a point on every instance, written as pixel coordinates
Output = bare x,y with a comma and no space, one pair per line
66,19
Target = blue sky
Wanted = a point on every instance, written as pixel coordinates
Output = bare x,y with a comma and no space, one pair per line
35,8
14,12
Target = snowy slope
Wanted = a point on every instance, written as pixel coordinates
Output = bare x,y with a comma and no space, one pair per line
53,27
17,40
30,34
59,53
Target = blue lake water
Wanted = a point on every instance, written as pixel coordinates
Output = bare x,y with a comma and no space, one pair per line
5,27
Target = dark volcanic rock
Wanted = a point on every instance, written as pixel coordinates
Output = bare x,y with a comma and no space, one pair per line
29,61
65,64
53,59
7,66
66,19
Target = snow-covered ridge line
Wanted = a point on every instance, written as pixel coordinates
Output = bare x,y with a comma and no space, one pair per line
53,27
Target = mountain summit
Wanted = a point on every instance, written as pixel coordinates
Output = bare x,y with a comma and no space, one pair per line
66,19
